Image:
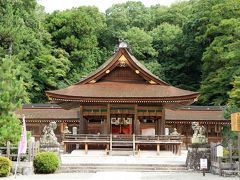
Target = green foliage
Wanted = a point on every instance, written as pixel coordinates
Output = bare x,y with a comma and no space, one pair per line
218,32
235,93
121,17
46,163
166,41
13,92
49,71
140,42
10,129
76,31
155,68
228,135
229,109
5,166
12,95
192,45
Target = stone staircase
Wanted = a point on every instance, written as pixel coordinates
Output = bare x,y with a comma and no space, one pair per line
119,149
119,160
92,168
122,146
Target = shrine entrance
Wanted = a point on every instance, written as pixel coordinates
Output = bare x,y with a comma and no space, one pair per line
122,125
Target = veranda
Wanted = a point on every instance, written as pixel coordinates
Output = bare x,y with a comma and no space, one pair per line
122,142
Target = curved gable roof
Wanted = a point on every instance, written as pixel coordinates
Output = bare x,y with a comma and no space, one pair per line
114,61
92,89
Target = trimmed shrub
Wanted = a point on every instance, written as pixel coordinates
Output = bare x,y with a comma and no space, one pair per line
5,166
46,163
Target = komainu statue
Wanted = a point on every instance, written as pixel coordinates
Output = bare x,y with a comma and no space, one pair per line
48,138
199,135
175,133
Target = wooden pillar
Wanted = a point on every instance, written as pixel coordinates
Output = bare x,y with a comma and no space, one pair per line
82,123
162,131
107,149
62,126
136,121
108,122
104,124
86,148
179,149
158,149
158,127
65,147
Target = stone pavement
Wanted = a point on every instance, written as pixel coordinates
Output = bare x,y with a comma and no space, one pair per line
124,176
145,157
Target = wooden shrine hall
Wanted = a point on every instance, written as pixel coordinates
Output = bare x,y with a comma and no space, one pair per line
120,102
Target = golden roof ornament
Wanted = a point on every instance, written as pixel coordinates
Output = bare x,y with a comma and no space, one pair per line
122,61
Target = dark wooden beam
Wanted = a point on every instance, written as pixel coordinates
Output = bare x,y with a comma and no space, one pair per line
162,131
136,121
158,126
108,123
82,123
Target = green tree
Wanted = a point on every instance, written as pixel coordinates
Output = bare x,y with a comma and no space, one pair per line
140,43
155,67
22,32
235,92
177,14
121,17
210,40
12,95
168,40
49,71
221,62
77,31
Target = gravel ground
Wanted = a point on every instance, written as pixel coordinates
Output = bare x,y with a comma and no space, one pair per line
123,176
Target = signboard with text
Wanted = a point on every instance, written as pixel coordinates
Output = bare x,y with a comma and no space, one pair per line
203,163
235,121
219,151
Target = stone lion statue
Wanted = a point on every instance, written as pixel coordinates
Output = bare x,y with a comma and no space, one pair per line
198,133
48,137
198,130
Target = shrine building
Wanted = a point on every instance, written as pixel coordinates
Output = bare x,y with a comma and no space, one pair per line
123,99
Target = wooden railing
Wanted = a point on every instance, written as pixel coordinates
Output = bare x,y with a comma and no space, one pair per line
159,139
85,138
11,151
134,141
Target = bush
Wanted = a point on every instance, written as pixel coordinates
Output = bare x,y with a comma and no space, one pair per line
45,163
5,166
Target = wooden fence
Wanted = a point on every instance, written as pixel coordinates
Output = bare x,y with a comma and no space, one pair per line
11,151
227,164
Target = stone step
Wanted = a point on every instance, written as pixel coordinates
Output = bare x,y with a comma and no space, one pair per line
122,145
91,168
122,149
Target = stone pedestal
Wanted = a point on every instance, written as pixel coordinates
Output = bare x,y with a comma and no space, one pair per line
50,148
195,154
24,168
199,139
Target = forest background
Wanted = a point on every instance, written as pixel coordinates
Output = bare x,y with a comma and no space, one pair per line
194,45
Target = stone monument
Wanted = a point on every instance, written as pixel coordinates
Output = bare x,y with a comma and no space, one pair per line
200,149
199,136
